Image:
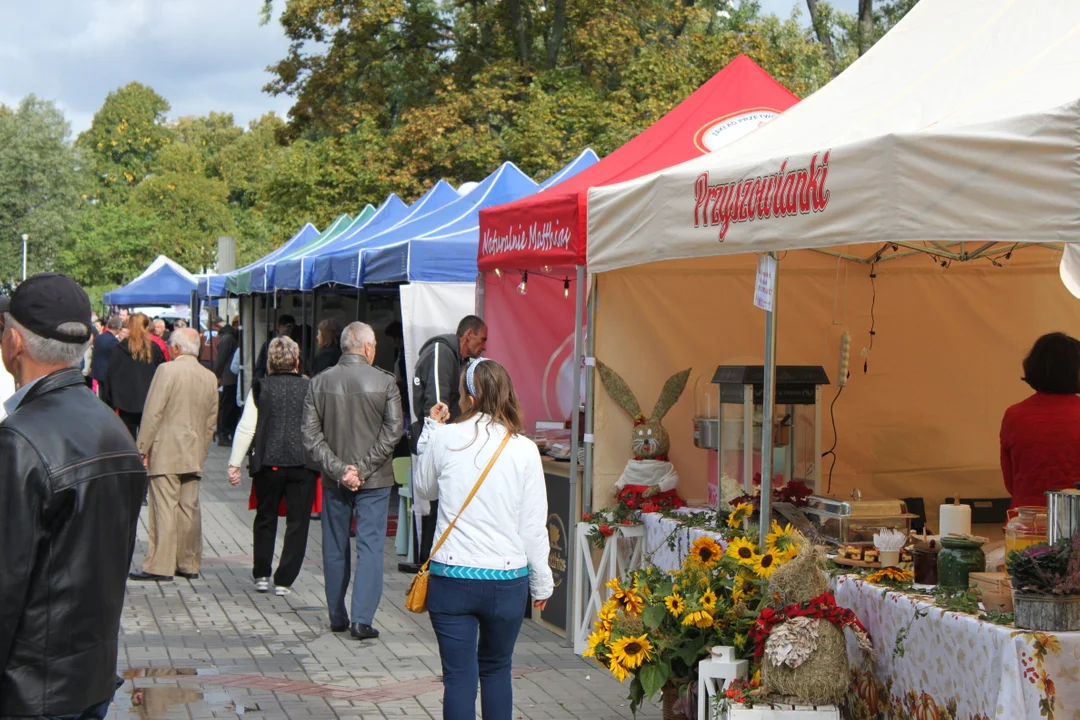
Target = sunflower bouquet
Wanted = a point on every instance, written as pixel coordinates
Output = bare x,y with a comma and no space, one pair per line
656,626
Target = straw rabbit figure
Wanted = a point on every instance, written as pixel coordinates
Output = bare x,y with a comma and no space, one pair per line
649,440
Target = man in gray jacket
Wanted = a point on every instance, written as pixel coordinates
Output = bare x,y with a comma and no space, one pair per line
352,422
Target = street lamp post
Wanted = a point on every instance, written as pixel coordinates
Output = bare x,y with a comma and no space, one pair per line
25,237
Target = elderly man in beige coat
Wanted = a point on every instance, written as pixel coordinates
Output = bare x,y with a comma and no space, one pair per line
178,424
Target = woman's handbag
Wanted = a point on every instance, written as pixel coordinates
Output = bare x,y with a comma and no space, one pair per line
416,597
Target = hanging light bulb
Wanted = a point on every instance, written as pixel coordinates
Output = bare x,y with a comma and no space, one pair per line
498,273
547,268
566,288
524,286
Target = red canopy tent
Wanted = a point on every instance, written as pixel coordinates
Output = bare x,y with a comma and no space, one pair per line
548,228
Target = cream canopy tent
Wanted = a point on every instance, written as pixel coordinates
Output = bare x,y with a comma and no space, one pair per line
955,138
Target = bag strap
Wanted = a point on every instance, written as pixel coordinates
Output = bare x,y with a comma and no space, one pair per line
472,494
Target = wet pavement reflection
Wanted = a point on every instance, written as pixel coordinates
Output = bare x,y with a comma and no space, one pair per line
157,699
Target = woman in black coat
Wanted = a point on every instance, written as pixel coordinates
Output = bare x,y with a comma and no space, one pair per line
329,346
131,370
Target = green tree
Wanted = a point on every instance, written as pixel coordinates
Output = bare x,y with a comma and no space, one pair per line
189,211
114,245
125,139
39,186
211,135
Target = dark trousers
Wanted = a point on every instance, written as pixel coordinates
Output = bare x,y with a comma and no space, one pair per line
228,412
476,623
426,533
297,486
94,712
131,422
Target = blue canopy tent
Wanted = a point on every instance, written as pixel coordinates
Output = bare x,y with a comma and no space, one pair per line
298,273
449,254
164,283
238,282
505,184
262,275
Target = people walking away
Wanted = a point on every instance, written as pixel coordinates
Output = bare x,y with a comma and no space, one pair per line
499,534
178,426
131,370
104,345
280,468
71,487
286,326
161,330
208,352
228,409
438,376
329,340
352,421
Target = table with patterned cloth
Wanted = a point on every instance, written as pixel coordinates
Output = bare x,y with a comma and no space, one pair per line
667,541
935,665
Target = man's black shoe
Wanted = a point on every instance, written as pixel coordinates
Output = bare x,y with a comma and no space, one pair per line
363,632
339,628
150,576
408,567
187,576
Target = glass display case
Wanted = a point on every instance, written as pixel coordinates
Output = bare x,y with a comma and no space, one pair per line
737,425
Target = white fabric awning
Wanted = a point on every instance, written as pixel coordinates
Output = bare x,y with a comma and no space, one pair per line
961,124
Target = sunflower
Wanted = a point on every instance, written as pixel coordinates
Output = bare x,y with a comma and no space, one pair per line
598,638
607,617
739,514
783,541
698,618
705,552
629,602
675,604
618,670
631,651
890,575
766,564
742,550
708,600
615,584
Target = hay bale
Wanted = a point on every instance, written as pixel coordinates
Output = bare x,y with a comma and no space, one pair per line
800,580
820,680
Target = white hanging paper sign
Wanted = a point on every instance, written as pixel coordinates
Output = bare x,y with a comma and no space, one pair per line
765,285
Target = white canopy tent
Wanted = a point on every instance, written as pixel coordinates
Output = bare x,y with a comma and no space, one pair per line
957,136
962,125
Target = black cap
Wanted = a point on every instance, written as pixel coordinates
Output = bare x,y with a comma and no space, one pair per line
44,302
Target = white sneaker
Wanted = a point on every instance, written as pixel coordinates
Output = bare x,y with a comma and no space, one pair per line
281,590
262,584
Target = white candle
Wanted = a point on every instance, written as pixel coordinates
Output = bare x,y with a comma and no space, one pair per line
955,519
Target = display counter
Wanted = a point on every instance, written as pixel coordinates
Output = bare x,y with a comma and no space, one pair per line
562,518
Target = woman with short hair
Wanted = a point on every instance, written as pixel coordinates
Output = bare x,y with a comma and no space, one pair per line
279,466
1040,436
329,340
500,535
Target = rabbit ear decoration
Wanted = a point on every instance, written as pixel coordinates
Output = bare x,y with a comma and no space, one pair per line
673,390
619,391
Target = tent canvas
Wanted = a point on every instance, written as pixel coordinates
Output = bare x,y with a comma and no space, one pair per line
549,228
346,266
238,282
262,276
168,284
449,254
288,273
943,339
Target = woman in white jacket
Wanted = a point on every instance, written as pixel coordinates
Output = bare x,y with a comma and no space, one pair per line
496,554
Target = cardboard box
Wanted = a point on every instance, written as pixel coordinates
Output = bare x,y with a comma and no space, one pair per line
995,589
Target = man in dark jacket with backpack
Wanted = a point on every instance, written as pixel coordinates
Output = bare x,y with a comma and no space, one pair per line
438,379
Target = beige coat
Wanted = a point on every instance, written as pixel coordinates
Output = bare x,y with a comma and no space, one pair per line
179,418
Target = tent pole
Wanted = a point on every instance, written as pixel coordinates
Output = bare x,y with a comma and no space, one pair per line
575,427
480,279
590,398
768,403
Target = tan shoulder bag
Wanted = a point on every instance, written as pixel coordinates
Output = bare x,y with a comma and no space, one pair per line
416,597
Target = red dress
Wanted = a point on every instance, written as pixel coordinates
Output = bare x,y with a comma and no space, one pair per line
1040,447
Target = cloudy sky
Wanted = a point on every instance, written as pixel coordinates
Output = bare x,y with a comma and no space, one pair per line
201,55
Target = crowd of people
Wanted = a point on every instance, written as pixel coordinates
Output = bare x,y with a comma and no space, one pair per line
108,415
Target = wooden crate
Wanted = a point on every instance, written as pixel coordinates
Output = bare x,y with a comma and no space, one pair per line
995,588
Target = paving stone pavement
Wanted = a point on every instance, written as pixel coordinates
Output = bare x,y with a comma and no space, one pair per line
213,647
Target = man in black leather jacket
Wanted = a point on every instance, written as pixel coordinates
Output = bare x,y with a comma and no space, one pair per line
71,486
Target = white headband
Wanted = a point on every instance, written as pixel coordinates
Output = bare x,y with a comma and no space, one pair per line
469,385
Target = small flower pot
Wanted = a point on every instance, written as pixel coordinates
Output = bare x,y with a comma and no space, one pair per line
1047,613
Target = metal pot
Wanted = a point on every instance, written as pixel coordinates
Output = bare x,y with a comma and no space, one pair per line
1063,513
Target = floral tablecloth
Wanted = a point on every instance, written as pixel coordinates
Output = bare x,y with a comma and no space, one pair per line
667,541
951,666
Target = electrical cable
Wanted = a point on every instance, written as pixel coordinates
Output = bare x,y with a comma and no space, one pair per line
836,439
873,319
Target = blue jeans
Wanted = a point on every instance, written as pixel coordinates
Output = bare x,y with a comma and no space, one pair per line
477,623
370,507
95,712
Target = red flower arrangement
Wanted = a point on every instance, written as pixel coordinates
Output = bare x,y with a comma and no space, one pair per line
795,492
823,607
